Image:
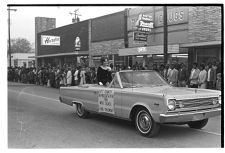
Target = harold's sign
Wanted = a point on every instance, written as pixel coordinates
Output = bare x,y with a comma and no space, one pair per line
144,23
50,40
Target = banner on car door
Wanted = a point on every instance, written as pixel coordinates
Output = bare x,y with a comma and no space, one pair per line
106,101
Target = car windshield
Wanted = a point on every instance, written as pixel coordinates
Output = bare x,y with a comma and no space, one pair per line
141,78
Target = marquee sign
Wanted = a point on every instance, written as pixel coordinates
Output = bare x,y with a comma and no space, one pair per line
47,40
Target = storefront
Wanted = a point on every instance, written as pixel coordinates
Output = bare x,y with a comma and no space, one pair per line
195,31
64,45
107,37
135,36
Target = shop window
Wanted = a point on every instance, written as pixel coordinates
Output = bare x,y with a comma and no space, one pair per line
179,58
205,55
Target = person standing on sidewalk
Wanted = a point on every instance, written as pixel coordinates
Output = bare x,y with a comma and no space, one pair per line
182,76
69,77
194,76
173,76
210,76
202,77
76,76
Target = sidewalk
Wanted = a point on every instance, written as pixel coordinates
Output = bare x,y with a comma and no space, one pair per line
18,83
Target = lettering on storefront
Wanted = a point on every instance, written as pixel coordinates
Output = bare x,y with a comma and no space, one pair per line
174,16
141,49
50,40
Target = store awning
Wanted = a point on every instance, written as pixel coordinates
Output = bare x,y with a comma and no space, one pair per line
149,50
64,54
198,44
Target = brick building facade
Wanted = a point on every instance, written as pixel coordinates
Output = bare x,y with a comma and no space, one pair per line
42,24
107,38
196,31
194,35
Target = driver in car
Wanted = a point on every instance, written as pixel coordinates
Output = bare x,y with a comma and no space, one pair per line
104,76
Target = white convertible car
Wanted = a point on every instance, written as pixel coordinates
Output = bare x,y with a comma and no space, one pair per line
145,98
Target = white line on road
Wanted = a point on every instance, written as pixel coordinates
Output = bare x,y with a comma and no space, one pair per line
33,95
207,132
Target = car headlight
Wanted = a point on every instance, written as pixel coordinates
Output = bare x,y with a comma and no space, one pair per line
219,99
171,104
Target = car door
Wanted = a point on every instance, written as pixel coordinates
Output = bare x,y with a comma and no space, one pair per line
105,100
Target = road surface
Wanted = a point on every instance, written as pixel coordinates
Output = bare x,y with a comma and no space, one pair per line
36,119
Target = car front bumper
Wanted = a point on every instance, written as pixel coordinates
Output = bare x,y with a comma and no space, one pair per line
180,117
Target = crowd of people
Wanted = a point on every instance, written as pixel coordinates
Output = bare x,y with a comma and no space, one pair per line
53,76
207,76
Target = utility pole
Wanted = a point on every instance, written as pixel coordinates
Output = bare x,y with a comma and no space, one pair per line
9,51
165,34
76,18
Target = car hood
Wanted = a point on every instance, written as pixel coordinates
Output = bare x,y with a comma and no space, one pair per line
177,92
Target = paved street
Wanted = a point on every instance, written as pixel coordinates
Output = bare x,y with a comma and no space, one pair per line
36,119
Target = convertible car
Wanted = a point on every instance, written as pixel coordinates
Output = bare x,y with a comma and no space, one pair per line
145,98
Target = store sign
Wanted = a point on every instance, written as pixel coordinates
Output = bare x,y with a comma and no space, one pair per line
47,40
144,23
77,44
141,50
140,36
174,16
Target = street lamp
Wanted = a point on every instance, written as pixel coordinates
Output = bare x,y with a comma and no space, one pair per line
9,34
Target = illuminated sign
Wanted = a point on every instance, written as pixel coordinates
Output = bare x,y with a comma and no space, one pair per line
77,43
50,40
144,23
142,49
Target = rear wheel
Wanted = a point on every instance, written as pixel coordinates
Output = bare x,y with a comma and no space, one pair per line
145,124
198,124
81,112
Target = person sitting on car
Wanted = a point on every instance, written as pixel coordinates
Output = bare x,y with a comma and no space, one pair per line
104,72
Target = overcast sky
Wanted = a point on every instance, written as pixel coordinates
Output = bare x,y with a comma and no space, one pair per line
23,20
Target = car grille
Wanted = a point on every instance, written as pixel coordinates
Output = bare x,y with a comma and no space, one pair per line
188,103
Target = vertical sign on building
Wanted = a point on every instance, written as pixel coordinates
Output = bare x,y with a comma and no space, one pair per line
77,43
143,25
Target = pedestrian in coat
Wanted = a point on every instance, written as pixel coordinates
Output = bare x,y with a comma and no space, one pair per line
69,77
82,76
173,76
182,76
202,77
76,76
210,76
194,76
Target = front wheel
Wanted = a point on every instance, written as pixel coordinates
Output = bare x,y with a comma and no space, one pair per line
145,124
198,124
81,112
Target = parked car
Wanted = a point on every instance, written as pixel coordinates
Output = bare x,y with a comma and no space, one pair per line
145,98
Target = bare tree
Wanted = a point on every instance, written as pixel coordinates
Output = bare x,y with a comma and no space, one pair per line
20,45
